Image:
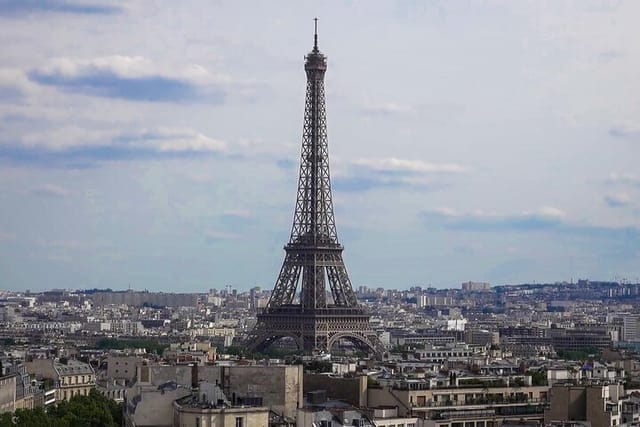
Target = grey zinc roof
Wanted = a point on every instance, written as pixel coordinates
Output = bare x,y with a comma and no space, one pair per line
73,367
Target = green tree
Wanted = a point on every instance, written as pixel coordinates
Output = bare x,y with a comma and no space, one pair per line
538,377
94,410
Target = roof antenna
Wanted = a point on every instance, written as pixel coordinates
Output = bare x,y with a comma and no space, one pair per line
315,35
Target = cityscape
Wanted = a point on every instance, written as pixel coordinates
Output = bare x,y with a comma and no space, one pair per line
528,354
314,345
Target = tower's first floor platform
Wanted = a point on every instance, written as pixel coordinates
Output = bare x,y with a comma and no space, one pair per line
315,330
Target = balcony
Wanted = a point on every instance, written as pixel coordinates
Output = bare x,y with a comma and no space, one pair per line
479,404
497,411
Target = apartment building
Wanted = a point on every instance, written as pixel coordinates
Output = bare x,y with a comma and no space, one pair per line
7,393
598,404
464,405
70,377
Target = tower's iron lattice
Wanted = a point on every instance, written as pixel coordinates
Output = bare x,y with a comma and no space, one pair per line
315,319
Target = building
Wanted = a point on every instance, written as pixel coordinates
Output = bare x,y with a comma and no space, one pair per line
199,352
447,353
476,286
209,407
70,377
478,402
481,337
279,387
137,299
388,417
600,405
7,393
147,405
28,392
579,339
631,329
122,367
434,301
318,411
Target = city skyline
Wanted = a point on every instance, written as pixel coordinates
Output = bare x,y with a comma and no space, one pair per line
157,146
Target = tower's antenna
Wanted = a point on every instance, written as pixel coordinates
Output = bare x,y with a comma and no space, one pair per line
315,34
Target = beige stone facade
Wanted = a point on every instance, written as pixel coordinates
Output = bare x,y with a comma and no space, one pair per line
7,393
188,416
70,379
279,386
420,400
598,404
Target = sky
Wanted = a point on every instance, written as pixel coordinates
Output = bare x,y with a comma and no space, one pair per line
155,145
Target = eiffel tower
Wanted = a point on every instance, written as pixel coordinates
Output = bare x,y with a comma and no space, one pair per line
314,319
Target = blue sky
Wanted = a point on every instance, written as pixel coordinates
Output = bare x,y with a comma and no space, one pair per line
155,145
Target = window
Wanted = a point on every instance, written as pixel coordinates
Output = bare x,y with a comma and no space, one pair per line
197,421
239,422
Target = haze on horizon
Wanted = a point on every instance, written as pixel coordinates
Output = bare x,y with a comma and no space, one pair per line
155,145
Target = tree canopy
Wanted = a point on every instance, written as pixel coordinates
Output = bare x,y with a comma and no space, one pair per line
94,410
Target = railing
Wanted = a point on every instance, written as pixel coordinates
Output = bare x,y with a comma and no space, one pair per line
284,310
480,402
465,414
505,411
424,385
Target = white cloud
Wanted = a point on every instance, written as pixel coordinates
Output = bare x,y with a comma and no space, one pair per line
130,67
549,212
542,212
14,81
617,200
481,213
51,190
61,244
6,236
389,108
444,211
179,140
239,213
393,164
68,137
623,178
220,235
161,139
627,131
